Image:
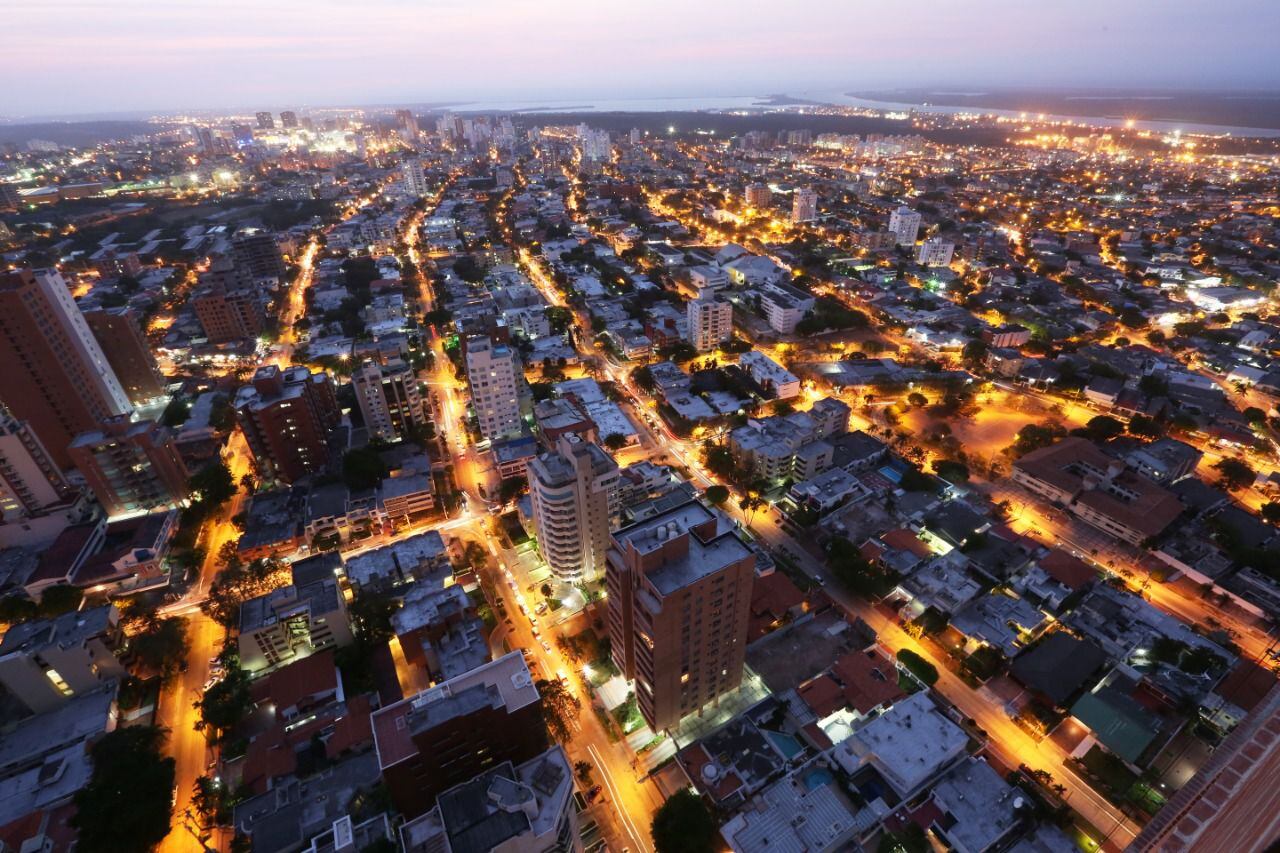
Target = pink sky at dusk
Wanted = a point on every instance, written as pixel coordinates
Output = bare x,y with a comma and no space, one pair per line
81,56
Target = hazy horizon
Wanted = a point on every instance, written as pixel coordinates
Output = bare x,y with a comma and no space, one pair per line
97,57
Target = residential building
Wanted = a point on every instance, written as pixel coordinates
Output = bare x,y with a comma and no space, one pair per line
286,417
1098,489
288,119
128,353
574,492
904,224
777,382
389,399
787,447
710,322
228,304
1228,803
784,306
406,496
758,196
415,179
706,278
56,378
1007,337
1165,460
47,662
131,466
292,622
491,370
44,760
804,812
30,480
257,254
439,631
679,593
449,733
909,745
935,252
510,808
265,122
804,205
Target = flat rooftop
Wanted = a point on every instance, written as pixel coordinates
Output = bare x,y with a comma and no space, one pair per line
505,680
709,551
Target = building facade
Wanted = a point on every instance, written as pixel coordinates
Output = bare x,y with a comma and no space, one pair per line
56,376
128,352
574,491
679,587
131,466
30,480
710,322
389,399
287,417
491,370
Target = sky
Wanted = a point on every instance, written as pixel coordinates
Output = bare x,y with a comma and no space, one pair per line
104,56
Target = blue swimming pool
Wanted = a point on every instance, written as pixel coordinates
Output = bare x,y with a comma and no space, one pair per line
786,744
817,777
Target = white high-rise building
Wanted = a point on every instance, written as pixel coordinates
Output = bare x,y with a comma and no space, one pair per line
710,322
935,252
804,205
904,224
491,370
415,180
574,492
595,144
389,399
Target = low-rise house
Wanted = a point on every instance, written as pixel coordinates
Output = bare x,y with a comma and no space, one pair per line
292,622
805,812
46,663
1098,489
909,745
513,808
778,382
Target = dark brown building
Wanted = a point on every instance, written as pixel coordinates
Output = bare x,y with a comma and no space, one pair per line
457,730
679,605
257,254
228,304
131,467
128,352
55,375
287,417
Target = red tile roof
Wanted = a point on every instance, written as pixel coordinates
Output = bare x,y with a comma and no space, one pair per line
869,680
775,594
290,685
823,694
902,539
1070,571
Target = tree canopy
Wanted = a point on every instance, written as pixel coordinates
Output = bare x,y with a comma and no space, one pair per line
128,801
683,825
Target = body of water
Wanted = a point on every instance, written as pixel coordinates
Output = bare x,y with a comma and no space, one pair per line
724,103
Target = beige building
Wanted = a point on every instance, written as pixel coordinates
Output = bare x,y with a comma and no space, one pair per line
574,491
47,662
710,322
290,623
389,399
491,370
679,588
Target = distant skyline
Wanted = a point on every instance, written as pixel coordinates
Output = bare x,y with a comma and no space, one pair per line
103,56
